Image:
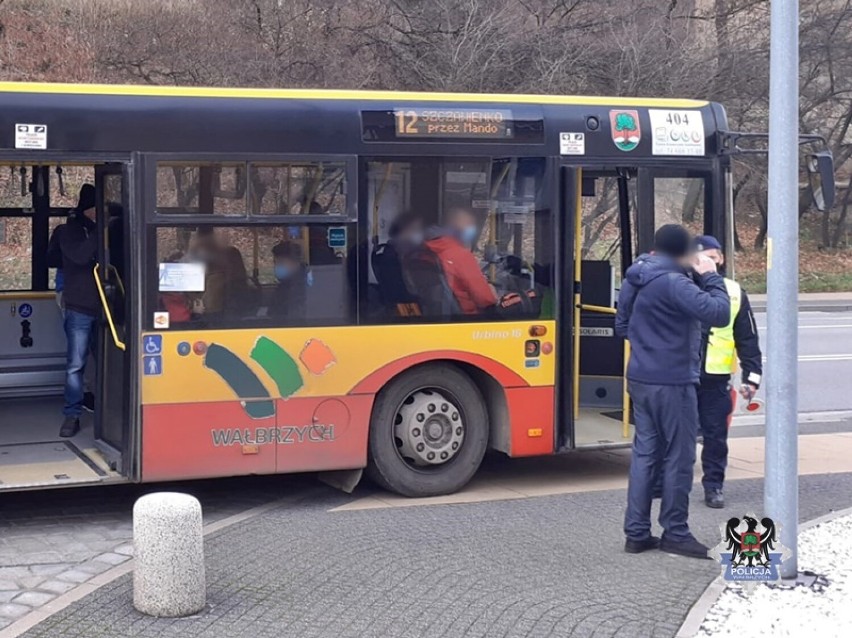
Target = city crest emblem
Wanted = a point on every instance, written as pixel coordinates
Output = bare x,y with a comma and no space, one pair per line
750,551
625,128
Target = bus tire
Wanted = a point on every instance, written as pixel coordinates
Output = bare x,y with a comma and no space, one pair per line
428,432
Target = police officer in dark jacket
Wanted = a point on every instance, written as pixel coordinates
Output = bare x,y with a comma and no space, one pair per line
661,310
73,247
737,339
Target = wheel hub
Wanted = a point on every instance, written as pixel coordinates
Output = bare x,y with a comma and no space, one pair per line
429,428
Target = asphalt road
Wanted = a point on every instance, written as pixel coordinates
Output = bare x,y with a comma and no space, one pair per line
825,360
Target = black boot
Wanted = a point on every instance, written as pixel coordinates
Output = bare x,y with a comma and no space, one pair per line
691,548
637,547
70,427
714,498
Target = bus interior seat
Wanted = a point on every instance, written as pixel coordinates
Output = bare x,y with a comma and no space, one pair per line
425,278
326,296
598,283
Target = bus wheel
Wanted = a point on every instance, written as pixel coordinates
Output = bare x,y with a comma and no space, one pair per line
428,432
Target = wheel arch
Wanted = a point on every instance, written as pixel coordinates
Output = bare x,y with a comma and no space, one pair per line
490,377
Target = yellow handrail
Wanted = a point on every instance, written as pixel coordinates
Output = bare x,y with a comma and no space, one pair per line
377,202
604,309
118,343
492,217
578,272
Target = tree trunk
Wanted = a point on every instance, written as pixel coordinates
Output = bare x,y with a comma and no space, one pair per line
760,239
840,228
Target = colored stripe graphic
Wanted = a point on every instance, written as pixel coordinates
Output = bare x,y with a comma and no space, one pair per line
279,365
242,380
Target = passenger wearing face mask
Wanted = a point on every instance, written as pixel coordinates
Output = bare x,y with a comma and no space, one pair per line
452,244
405,234
288,300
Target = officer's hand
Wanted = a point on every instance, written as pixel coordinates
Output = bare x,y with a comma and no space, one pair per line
703,264
748,391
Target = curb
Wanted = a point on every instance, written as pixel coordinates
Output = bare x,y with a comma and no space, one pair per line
698,612
815,306
37,616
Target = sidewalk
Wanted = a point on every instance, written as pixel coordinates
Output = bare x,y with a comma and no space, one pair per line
495,563
600,470
825,549
813,301
530,568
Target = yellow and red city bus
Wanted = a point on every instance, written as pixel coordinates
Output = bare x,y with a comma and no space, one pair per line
240,233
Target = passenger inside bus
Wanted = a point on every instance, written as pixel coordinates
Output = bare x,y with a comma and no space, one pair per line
452,242
177,304
226,285
289,296
406,233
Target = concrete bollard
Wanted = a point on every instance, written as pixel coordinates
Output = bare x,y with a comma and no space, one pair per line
168,575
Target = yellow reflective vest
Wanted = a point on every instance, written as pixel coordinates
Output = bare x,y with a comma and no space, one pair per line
721,348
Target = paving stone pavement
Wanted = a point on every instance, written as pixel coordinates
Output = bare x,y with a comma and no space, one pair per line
549,566
52,541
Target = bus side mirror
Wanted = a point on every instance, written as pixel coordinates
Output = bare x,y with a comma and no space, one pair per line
821,178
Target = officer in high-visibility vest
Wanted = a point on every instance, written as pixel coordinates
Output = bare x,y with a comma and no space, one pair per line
723,346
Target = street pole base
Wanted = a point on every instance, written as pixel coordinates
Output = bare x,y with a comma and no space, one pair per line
808,579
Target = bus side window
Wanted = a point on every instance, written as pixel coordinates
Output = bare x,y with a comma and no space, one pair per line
454,238
241,276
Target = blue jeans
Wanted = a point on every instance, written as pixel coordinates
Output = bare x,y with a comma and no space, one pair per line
80,337
664,443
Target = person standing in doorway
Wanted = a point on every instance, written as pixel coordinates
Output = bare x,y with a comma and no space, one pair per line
661,310
73,248
54,257
724,345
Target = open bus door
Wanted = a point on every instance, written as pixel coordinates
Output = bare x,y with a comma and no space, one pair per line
113,412
33,350
611,215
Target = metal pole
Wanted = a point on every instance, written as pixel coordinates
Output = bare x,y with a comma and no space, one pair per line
781,498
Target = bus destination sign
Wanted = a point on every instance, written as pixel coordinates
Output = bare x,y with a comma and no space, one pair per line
442,123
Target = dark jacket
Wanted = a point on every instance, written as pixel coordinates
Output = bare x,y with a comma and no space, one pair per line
73,247
387,267
747,344
661,311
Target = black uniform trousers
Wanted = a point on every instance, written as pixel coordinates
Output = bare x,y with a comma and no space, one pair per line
714,408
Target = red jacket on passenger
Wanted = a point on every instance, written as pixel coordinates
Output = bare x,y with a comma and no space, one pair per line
465,279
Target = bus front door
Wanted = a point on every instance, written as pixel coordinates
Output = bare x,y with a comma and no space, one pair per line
113,412
615,211
601,206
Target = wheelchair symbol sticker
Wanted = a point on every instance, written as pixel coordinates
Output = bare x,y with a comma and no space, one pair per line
152,344
25,310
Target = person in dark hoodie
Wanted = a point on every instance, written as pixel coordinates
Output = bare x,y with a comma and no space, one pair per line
661,310
405,234
73,248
